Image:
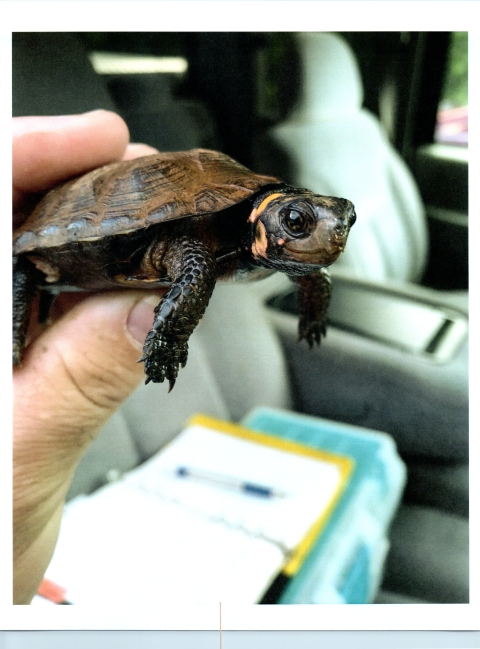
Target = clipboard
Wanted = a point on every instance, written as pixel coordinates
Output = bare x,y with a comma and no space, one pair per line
154,536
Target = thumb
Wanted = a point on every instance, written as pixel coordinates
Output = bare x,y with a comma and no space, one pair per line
77,373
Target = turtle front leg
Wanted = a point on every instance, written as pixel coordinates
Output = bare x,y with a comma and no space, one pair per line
192,267
25,282
313,300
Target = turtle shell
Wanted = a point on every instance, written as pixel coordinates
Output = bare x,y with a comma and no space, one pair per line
125,196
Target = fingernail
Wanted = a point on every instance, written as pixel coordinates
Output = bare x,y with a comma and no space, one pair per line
96,111
140,318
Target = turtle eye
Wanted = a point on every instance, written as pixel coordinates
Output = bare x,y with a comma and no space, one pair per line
296,223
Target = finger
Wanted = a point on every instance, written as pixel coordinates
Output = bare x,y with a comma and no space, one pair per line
73,378
77,373
47,150
138,150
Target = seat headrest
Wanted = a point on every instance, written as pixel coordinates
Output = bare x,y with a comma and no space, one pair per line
331,82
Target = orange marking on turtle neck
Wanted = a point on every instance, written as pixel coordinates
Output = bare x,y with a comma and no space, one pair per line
259,246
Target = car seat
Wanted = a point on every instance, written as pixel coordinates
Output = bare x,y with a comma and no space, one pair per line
338,148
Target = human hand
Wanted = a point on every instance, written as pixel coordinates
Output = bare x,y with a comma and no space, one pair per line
76,372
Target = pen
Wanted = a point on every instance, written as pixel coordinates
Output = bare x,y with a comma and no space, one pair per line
229,482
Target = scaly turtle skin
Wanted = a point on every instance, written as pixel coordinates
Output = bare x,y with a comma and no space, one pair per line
181,220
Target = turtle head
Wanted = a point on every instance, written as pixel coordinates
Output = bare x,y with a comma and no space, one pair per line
292,231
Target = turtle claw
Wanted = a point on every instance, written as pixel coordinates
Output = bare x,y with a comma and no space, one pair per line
312,332
161,361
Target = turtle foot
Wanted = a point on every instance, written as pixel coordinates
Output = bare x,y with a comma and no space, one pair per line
313,299
312,332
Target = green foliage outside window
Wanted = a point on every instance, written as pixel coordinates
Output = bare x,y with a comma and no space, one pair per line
455,91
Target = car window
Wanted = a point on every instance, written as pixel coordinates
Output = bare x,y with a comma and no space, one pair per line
452,116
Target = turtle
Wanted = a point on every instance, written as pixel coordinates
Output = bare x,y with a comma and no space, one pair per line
182,220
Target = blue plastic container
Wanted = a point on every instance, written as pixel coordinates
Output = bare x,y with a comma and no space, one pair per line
346,563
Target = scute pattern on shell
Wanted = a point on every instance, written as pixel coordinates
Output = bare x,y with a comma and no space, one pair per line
126,196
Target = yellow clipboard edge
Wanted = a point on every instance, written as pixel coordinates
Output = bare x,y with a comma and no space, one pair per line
344,463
